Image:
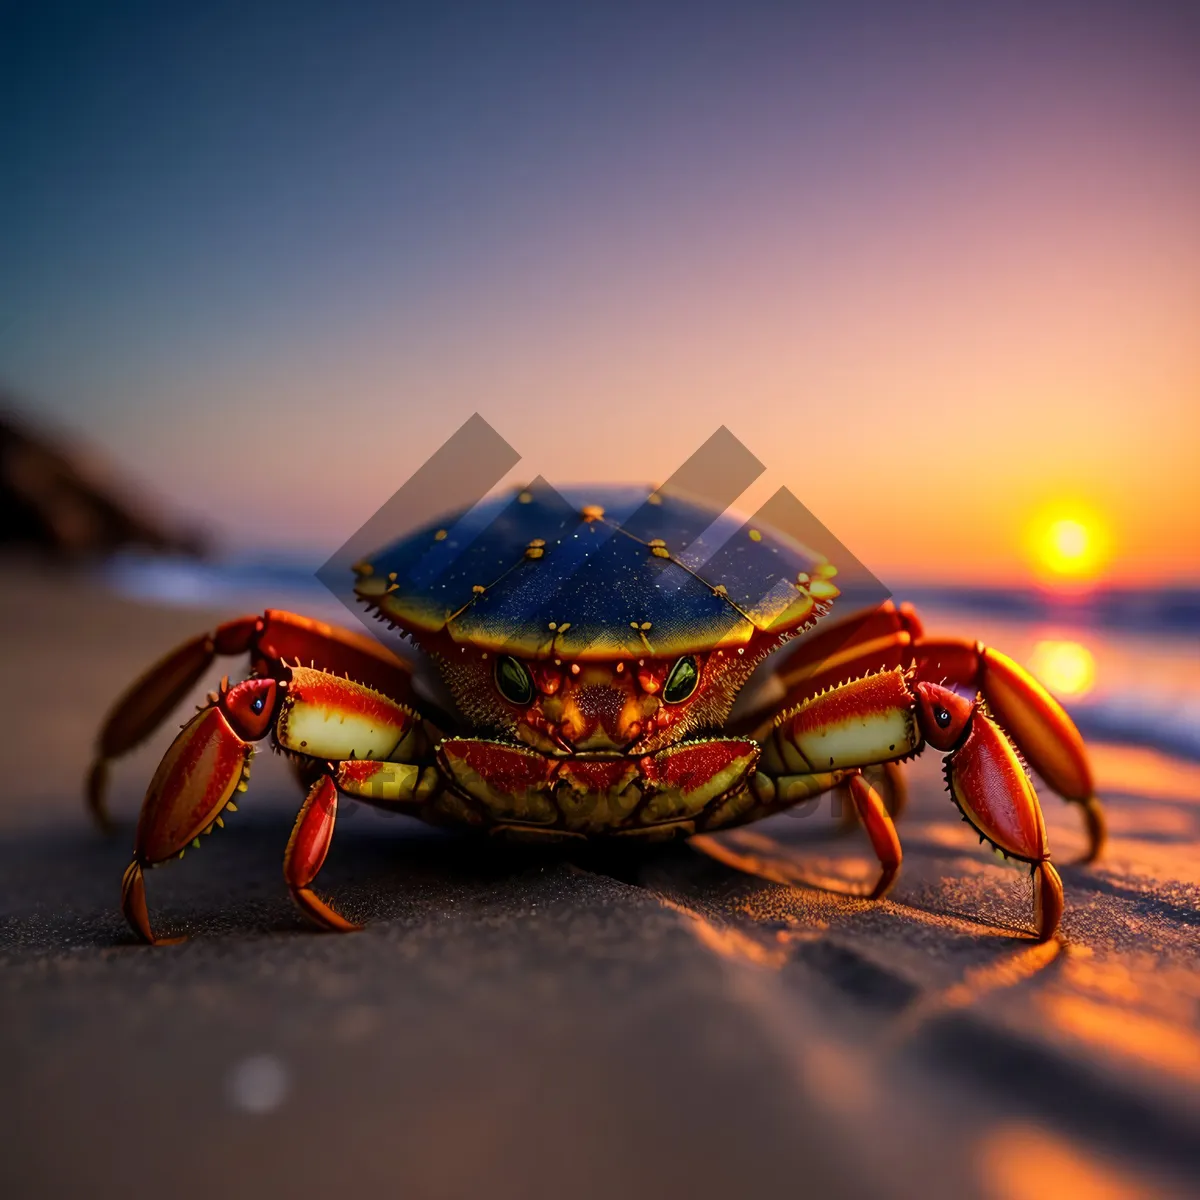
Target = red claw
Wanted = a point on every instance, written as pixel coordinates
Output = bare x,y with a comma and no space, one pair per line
198,776
990,785
195,780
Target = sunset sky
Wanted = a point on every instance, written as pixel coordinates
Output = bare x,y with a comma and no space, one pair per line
938,269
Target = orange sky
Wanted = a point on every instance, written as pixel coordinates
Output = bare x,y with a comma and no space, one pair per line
935,276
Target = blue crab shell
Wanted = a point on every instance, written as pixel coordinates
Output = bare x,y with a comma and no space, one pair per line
596,573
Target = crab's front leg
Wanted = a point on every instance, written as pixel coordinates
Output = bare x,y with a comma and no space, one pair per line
1036,721
205,767
993,791
306,851
890,636
270,638
331,721
883,718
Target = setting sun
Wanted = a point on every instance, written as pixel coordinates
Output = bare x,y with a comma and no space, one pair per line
1069,543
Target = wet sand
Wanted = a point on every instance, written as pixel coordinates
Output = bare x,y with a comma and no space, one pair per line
515,1025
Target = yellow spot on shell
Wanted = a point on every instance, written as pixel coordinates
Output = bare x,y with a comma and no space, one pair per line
755,536
660,552
553,624
391,577
822,589
525,497
440,536
592,512
363,568
721,590
478,589
654,498
825,570
802,577
645,624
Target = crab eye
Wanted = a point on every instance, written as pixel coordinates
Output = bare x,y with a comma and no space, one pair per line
513,680
941,716
681,683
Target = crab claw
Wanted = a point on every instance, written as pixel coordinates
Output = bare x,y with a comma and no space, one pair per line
197,778
1047,737
991,788
194,782
1037,723
989,784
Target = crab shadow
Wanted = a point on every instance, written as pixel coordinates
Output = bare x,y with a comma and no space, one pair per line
60,889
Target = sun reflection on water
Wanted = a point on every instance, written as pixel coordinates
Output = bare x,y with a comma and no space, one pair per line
1066,668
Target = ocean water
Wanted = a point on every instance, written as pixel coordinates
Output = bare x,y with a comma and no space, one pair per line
1125,665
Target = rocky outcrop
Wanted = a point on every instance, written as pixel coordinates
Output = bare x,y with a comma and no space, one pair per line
59,500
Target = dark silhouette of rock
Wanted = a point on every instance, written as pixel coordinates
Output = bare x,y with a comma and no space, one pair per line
60,500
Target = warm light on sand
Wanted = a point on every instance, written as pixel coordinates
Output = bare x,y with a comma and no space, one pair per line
1069,544
1021,1160
1066,668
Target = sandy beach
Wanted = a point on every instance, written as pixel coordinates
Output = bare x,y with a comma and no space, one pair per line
690,1022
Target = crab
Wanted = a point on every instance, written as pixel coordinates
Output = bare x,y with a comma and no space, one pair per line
585,668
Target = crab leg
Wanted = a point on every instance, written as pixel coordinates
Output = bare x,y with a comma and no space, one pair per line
881,831
882,718
892,637
833,654
269,639
305,855
321,718
835,651
889,781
